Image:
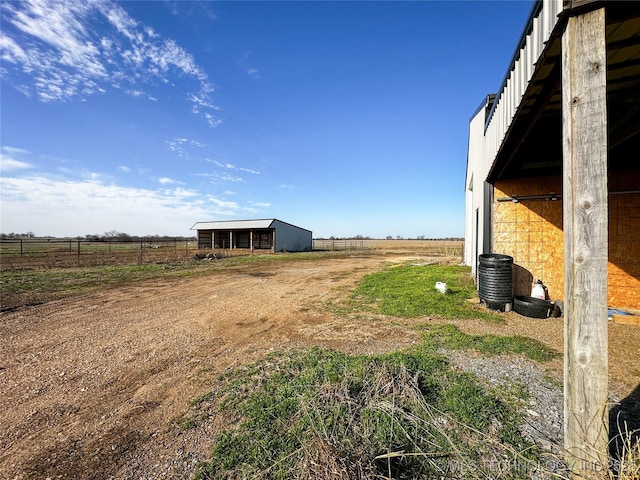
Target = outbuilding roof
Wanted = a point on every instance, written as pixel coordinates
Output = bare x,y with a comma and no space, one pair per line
239,224
233,224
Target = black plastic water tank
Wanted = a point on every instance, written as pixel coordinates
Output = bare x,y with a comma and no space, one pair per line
495,284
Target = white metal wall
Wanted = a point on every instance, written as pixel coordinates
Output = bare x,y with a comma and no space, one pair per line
291,238
478,209
485,138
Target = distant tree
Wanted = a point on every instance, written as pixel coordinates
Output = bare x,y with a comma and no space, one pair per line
18,235
399,237
117,236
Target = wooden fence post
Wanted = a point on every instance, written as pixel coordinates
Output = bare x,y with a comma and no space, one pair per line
585,225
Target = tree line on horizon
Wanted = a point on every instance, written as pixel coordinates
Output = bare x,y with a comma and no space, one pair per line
111,236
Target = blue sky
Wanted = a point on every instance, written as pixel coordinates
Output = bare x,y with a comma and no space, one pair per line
345,118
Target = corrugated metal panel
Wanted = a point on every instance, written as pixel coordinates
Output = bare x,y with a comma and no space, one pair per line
520,72
291,238
234,224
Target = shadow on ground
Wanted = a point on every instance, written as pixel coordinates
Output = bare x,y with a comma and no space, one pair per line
624,426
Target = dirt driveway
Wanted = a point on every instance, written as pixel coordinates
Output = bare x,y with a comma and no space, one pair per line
94,386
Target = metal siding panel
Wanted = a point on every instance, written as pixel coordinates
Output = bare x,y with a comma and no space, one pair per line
291,238
517,79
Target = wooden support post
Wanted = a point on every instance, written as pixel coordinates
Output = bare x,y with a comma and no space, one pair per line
585,224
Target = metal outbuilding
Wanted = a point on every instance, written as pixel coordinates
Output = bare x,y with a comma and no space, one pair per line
266,234
553,180
525,145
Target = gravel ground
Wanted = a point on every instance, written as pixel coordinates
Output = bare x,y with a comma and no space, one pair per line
542,411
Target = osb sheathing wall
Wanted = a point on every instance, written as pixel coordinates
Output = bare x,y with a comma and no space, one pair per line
531,232
624,241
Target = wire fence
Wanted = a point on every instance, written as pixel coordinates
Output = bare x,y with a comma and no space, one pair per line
21,253
336,245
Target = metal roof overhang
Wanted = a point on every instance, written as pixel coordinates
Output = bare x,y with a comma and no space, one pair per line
234,224
533,144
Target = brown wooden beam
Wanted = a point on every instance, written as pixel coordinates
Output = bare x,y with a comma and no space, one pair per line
585,225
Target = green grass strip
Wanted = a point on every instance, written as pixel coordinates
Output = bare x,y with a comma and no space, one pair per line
409,291
450,336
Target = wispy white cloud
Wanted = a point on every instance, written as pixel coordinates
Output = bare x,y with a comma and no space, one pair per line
167,181
220,164
223,176
14,150
199,9
212,121
84,206
223,204
260,204
124,168
140,94
253,72
8,164
230,166
249,70
71,50
199,101
182,146
10,51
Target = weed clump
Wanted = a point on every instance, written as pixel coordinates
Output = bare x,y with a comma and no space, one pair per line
323,414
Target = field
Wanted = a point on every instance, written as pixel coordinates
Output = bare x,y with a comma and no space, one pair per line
98,383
